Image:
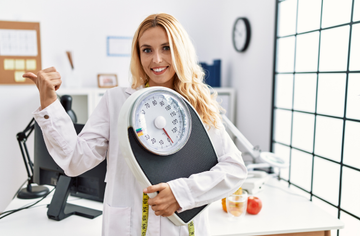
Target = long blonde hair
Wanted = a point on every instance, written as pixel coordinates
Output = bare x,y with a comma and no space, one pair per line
189,76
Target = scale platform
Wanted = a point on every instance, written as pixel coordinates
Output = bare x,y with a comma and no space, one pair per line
149,168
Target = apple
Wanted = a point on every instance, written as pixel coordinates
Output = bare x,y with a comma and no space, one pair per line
254,205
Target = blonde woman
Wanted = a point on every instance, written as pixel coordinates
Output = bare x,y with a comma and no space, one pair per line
162,55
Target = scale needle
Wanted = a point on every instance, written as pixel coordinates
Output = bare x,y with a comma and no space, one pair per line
167,135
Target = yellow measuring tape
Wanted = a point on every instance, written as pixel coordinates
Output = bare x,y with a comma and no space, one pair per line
191,229
145,215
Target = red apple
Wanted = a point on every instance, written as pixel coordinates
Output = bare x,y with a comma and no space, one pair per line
254,205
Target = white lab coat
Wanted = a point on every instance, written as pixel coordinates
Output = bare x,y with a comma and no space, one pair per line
99,139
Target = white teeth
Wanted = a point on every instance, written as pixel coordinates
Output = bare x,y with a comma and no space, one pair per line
159,69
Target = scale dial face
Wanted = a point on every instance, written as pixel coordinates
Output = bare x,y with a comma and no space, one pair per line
161,121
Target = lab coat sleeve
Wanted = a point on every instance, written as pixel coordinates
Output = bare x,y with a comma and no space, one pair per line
75,154
222,180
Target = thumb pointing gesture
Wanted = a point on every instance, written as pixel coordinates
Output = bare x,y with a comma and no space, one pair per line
31,76
47,81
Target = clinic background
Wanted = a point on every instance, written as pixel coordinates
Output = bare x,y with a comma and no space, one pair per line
82,27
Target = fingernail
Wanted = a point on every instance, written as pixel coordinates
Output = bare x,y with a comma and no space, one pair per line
145,190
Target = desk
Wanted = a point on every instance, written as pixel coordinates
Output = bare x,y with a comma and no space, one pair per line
283,213
34,221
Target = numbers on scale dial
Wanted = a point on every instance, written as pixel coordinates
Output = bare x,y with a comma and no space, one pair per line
165,135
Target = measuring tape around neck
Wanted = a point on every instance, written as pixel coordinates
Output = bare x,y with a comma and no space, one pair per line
145,215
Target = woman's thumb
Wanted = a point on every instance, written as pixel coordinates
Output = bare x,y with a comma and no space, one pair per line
30,75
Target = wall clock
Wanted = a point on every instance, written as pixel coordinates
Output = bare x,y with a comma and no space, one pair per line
241,34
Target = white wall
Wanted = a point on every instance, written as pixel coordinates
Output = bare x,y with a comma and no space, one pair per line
251,72
16,106
82,26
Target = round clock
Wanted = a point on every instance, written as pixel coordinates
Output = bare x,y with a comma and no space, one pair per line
241,34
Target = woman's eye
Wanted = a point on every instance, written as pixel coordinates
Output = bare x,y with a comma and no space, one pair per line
166,48
147,50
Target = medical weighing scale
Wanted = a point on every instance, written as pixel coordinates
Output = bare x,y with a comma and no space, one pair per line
163,138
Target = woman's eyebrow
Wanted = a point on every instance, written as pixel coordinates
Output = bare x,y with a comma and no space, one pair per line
145,45
149,46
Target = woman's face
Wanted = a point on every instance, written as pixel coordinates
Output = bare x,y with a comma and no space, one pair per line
155,57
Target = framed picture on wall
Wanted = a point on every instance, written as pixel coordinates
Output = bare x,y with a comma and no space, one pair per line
107,80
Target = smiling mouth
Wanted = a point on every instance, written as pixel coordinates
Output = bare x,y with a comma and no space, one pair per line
159,70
